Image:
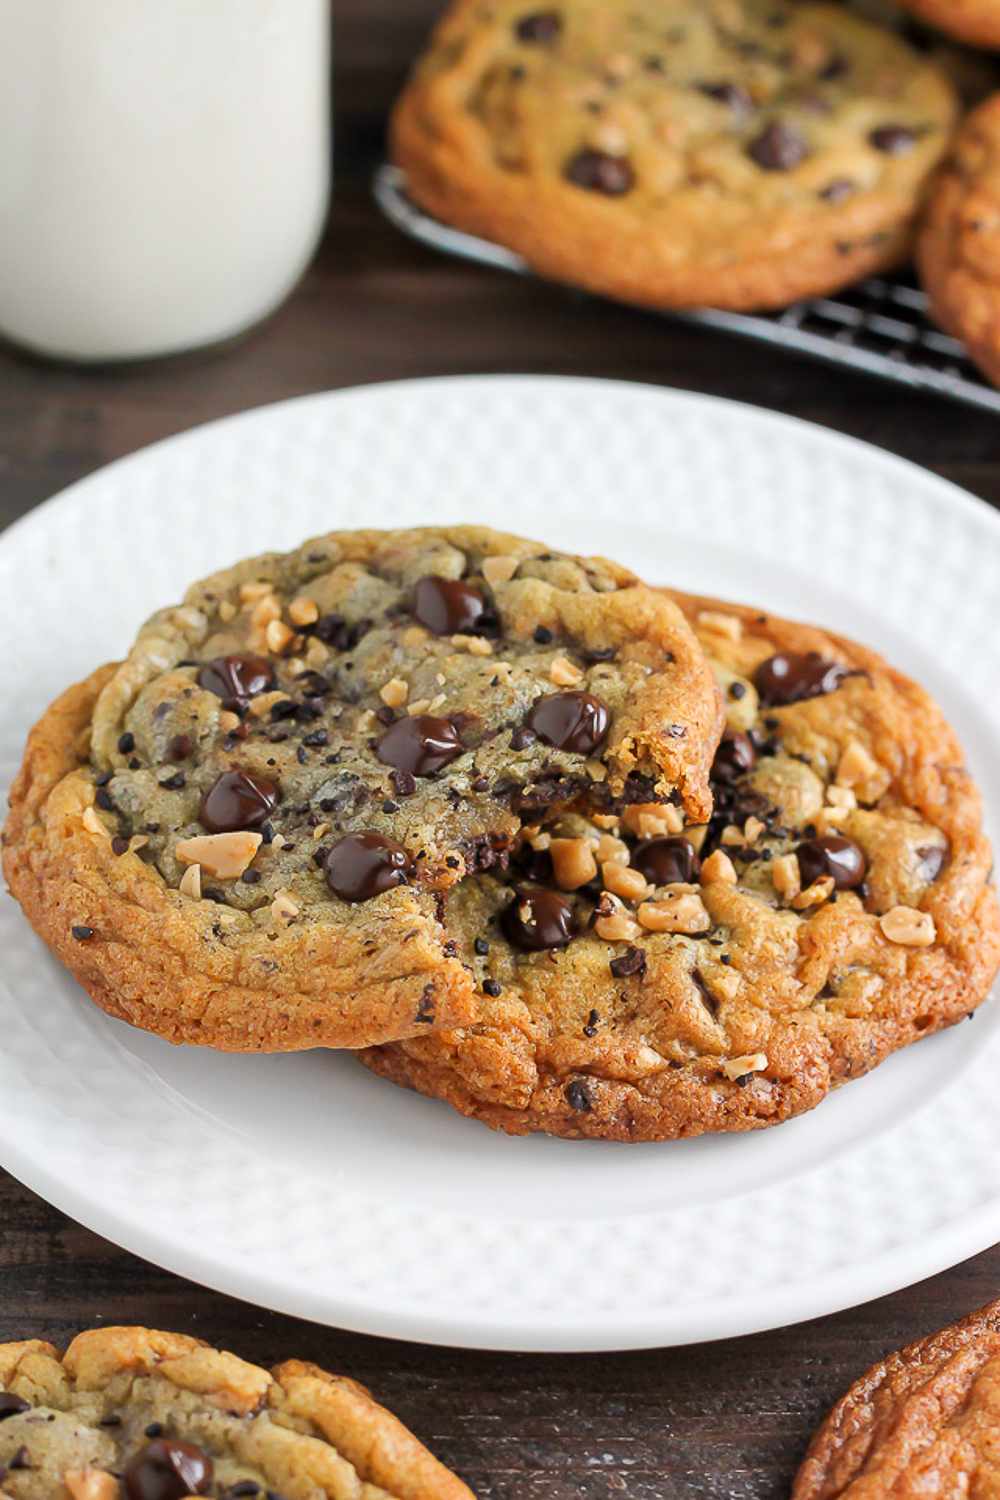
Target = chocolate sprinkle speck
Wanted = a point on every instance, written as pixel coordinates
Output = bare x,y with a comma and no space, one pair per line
591,1027
492,988
481,946
82,933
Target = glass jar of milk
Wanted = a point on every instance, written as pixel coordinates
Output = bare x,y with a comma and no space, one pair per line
164,168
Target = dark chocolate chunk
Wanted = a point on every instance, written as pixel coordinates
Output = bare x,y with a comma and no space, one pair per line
632,961
82,933
540,26
666,861
543,636
11,1405
834,855
173,783
104,800
893,140
237,678
362,865
447,606
790,677
126,743
734,757
779,148
492,988
522,739
573,721
239,799
481,946
180,747
600,172
578,1096
536,920
21,1459
420,744
167,1470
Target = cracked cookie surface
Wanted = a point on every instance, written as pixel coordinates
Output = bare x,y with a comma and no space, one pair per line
136,1414
649,978
242,835
733,153
924,1421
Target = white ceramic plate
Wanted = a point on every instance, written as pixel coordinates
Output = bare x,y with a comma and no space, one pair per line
306,1184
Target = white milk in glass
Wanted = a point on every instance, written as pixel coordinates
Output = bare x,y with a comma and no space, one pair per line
164,168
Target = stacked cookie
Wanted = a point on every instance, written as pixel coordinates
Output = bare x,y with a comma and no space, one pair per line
572,853
737,154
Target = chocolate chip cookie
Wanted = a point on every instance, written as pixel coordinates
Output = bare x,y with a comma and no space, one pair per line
649,977
958,250
974,21
242,836
133,1414
731,153
923,1422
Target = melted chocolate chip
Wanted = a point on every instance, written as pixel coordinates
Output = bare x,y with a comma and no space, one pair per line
931,860
180,747
578,1096
779,148
600,172
419,744
362,865
734,757
238,800
893,140
573,721
632,961
832,855
542,26
447,606
167,1471
666,861
236,679
11,1405
535,920
790,677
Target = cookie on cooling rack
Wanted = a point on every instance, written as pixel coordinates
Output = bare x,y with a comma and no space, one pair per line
958,250
134,1414
241,836
923,1422
731,153
648,978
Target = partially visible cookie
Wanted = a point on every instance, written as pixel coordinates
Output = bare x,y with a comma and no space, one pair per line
734,153
240,837
134,1414
974,21
958,251
921,1423
647,978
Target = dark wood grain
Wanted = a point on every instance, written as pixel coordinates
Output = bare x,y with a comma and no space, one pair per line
713,1421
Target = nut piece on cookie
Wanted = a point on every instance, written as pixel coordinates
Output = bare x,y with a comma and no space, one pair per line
136,1414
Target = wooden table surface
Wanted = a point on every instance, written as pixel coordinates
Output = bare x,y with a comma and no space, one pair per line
717,1420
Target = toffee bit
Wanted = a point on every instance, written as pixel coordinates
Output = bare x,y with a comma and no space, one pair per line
82,933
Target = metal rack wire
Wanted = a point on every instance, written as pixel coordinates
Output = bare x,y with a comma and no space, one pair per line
880,326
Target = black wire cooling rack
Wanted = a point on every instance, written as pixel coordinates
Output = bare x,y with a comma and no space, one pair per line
880,326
